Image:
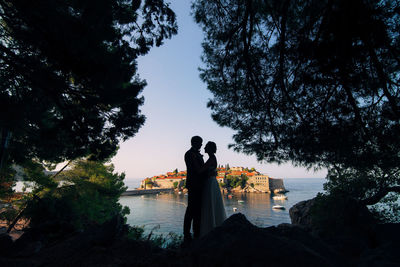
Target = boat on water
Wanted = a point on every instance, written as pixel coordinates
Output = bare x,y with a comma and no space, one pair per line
234,209
240,201
280,197
278,207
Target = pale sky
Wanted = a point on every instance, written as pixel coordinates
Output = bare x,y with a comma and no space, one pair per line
175,107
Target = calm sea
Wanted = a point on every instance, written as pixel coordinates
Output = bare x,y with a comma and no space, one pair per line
164,213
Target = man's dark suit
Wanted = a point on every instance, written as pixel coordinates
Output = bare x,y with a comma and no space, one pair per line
194,161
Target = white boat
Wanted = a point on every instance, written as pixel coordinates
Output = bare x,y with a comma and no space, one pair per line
234,209
180,193
240,201
278,207
279,197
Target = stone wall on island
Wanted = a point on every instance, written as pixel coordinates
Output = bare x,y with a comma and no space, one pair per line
168,183
276,185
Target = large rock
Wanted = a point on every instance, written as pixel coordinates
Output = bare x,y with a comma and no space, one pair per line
300,213
249,189
386,251
237,242
347,213
342,222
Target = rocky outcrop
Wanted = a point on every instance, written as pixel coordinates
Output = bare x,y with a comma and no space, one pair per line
346,212
237,242
246,189
300,213
249,189
348,228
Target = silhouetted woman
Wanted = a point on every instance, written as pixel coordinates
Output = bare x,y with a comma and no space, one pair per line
212,206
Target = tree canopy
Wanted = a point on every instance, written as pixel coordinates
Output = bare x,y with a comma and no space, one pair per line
312,82
68,74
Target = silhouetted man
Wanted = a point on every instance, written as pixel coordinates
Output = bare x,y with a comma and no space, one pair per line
194,161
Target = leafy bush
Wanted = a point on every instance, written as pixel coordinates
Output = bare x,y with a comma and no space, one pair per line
388,209
371,187
235,181
243,180
169,241
135,232
31,171
89,196
6,182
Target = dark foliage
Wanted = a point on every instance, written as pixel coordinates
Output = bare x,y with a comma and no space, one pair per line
88,196
312,82
340,214
68,74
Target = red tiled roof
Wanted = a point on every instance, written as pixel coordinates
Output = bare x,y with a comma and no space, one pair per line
171,177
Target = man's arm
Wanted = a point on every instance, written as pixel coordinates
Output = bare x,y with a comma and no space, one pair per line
192,163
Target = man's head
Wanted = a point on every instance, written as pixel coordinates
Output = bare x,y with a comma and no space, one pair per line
196,142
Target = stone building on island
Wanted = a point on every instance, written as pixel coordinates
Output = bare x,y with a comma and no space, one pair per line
264,183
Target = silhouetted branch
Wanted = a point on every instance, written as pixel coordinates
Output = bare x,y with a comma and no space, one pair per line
55,175
381,194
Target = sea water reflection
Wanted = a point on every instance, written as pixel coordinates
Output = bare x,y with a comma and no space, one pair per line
164,213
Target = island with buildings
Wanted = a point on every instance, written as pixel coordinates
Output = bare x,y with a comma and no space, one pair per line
230,179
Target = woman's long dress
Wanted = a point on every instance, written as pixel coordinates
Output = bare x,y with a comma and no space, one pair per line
212,208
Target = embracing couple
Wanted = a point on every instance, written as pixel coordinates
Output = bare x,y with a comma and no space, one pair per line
205,206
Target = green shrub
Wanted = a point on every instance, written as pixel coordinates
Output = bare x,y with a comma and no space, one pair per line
90,196
365,185
169,241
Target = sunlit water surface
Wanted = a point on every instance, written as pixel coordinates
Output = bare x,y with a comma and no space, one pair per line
163,213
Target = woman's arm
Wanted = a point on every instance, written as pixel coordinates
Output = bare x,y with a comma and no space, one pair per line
210,163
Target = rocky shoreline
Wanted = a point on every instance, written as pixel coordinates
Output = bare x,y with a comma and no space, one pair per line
237,242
